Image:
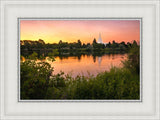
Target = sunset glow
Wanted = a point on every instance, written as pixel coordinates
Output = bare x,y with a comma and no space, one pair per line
52,31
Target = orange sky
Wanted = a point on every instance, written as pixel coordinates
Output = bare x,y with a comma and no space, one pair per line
51,31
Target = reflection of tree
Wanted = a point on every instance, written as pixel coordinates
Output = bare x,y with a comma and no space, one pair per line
61,58
109,56
94,58
79,57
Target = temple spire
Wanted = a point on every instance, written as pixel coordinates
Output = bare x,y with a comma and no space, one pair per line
100,39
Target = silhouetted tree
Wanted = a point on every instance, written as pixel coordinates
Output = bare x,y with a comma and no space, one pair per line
60,42
94,41
79,43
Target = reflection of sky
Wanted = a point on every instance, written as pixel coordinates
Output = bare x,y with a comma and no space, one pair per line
86,64
86,30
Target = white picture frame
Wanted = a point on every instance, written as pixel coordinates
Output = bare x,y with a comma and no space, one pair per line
148,108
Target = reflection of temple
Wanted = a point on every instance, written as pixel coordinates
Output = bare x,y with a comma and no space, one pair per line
99,60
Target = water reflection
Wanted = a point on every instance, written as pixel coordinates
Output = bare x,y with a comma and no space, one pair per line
94,59
99,60
86,64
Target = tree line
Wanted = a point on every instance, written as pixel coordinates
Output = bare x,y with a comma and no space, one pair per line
40,47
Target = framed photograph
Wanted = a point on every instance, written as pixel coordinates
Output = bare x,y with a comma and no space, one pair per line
86,69
80,59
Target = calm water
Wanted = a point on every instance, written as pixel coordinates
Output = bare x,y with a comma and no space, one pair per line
86,65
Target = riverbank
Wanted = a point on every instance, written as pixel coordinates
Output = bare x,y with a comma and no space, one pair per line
38,83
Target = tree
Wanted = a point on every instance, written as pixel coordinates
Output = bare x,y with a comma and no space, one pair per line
123,43
108,45
41,41
114,44
94,44
60,42
79,44
133,62
84,45
129,44
94,41
34,79
33,56
134,43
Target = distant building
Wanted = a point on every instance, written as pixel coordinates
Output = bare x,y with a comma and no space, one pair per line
100,39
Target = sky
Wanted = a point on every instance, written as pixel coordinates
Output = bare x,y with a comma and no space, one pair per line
52,31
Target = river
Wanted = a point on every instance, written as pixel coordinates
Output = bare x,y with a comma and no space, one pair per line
86,65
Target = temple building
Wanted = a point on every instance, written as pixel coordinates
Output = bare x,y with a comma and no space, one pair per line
100,39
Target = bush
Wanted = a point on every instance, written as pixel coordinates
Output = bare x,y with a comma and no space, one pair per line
133,61
34,79
115,84
38,83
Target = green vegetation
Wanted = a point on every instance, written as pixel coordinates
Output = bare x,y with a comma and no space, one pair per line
37,81
28,47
